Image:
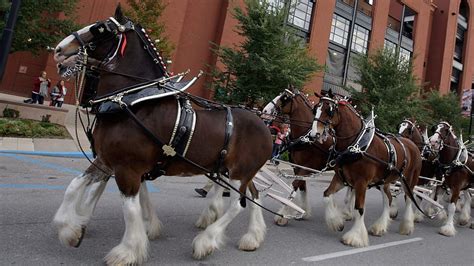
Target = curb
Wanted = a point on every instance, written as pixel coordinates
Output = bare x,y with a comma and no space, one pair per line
75,154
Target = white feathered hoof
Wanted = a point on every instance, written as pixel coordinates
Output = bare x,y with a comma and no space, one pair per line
335,223
447,230
442,215
249,242
377,230
281,221
393,213
71,235
354,239
464,219
347,214
153,229
204,245
124,255
406,228
207,217
418,217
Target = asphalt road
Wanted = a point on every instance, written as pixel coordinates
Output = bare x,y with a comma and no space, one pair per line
32,187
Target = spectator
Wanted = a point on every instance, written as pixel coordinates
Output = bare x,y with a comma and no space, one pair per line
40,88
279,139
57,94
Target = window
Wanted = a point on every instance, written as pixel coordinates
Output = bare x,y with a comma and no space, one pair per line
275,4
335,67
300,14
391,46
405,54
339,30
360,39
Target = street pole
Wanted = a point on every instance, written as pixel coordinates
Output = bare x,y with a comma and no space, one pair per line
8,35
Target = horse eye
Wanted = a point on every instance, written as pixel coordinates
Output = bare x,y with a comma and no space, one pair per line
433,129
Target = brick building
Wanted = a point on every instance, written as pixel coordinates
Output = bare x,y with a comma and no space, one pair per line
437,34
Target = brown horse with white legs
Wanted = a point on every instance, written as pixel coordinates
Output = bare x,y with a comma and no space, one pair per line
365,159
140,135
302,151
455,165
408,128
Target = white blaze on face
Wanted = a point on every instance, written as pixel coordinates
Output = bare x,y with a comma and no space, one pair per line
270,107
403,127
435,139
315,128
69,46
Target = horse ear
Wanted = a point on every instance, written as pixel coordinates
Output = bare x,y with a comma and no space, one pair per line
119,15
330,94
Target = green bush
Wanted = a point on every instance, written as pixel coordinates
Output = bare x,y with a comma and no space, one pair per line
10,127
11,113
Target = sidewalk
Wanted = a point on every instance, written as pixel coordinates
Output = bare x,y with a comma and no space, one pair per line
47,145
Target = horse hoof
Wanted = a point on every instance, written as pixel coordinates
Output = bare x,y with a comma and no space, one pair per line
463,222
281,221
472,225
375,232
447,230
248,243
79,241
393,215
340,228
354,242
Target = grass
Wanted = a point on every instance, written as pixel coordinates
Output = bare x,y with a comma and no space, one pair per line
24,128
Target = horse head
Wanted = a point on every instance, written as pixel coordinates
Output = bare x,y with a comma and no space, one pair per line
408,129
114,46
326,117
443,134
292,104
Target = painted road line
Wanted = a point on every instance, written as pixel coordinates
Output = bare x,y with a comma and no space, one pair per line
50,154
59,168
43,164
359,250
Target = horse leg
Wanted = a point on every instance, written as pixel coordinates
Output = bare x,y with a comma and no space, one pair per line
465,215
448,228
333,216
301,199
358,236
214,210
133,249
380,226
213,237
257,228
78,205
152,223
349,201
440,194
393,203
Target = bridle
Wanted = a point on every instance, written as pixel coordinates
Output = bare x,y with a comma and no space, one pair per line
284,98
425,146
442,137
103,31
331,112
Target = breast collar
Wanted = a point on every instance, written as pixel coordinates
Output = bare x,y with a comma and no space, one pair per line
365,137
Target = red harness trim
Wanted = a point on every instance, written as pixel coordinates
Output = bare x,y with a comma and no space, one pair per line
123,45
